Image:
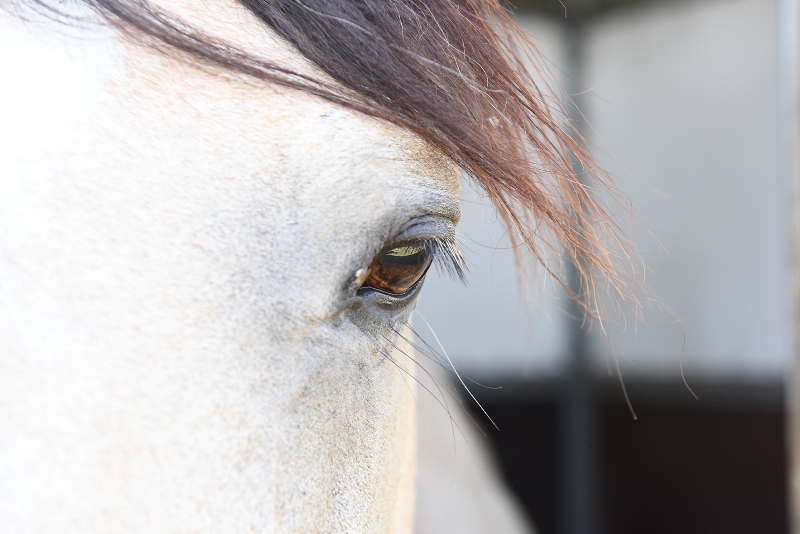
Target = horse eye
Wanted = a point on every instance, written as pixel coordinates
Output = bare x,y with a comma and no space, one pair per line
397,270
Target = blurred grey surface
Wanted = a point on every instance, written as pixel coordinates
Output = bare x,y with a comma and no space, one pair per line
681,99
682,103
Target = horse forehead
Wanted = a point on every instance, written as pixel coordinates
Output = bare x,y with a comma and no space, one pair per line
369,142
315,153
358,155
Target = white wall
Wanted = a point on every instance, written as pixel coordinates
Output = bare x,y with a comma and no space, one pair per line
684,106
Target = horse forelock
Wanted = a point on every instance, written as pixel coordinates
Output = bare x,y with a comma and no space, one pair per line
457,74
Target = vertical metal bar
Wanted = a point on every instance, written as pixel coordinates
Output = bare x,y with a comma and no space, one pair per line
579,510
788,136
578,495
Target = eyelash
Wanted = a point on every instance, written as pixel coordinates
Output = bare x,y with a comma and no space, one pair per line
447,256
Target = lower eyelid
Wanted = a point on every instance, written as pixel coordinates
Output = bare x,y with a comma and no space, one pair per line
389,298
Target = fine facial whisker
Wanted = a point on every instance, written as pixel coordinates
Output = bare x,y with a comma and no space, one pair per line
482,385
439,387
411,391
456,370
386,354
435,380
437,358
426,351
441,401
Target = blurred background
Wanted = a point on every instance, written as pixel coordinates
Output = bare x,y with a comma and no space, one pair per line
687,106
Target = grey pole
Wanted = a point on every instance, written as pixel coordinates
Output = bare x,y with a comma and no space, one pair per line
788,137
579,512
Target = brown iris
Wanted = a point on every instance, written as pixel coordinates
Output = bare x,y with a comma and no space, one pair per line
397,270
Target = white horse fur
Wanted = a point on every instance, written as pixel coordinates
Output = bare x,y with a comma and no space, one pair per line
178,349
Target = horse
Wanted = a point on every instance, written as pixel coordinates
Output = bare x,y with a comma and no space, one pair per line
216,220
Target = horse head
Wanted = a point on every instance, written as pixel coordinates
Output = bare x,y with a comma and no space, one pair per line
216,219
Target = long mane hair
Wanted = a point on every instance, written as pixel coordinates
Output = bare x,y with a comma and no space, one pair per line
457,73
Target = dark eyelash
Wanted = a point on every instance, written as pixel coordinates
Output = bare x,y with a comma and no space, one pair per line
447,256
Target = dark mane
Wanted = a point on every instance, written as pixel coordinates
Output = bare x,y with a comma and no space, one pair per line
456,73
